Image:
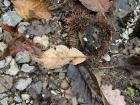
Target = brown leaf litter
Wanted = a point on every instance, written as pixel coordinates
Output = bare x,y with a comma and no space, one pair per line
59,56
29,9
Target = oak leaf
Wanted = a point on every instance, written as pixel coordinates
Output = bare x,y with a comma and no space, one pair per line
32,9
97,5
59,56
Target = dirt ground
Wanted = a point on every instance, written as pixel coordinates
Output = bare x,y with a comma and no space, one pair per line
113,52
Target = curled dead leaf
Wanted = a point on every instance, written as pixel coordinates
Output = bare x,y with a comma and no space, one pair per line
97,5
32,9
59,56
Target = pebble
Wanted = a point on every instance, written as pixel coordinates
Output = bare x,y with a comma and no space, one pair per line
64,84
37,87
3,46
23,57
114,48
43,41
13,70
5,62
25,97
17,99
11,18
7,3
23,26
4,99
23,83
5,81
106,57
27,68
0,30
61,75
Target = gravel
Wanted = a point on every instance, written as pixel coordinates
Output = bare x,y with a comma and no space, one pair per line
23,57
6,82
11,18
7,3
5,62
37,87
13,68
3,46
107,57
27,68
23,83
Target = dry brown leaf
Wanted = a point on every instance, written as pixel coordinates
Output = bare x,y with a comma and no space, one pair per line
59,56
32,9
20,44
97,5
114,97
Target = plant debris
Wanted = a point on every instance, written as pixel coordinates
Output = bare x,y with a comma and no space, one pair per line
59,56
32,9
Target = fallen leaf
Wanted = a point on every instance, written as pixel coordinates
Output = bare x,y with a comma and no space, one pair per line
20,44
114,97
59,56
85,85
32,9
14,32
97,5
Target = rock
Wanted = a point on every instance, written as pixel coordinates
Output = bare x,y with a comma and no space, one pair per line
2,47
39,29
6,82
4,101
13,70
64,84
11,18
106,57
4,63
27,68
7,3
25,97
61,75
23,83
43,41
37,87
22,27
114,48
17,99
23,57
0,30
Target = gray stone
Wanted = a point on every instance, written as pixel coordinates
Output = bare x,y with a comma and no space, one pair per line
27,68
13,70
61,75
11,18
114,48
22,26
4,101
106,57
17,99
23,57
4,98
5,62
37,87
3,46
23,83
7,3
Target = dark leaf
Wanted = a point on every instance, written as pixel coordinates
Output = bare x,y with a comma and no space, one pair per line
20,44
84,84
